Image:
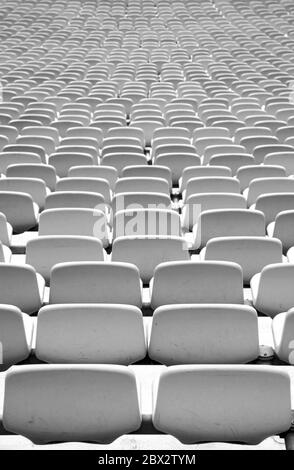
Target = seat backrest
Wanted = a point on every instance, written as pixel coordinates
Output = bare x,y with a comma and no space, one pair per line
13,158
148,222
233,403
90,333
107,173
19,210
198,203
46,173
284,228
228,223
151,171
147,252
201,282
20,286
16,331
5,230
93,282
211,184
259,186
177,163
141,184
62,161
204,334
44,252
272,204
78,199
282,329
251,253
35,187
143,200
201,171
272,289
246,174
121,160
70,403
85,183
284,159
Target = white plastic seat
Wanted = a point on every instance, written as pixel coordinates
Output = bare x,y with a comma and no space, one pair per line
121,160
201,282
132,132
21,148
150,171
209,201
44,252
63,125
90,333
12,158
22,287
93,282
20,210
147,222
87,132
272,204
210,132
141,184
282,329
46,173
166,132
202,171
42,131
77,199
204,334
87,184
261,152
74,222
35,187
250,143
213,150
10,132
284,159
272,289
107,173
5,230
233,403
251,132
283,228
147,252
211,184
46,143
262,186
16,330
143,200
232,161
62,162
251,253
202,143
227,223
70,403
247,173
177,163
148,127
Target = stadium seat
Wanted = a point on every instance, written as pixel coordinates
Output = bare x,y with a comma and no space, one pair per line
204,334
271,289
90,283
251,253
201,282
234,404
16,331
69,401
90,333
